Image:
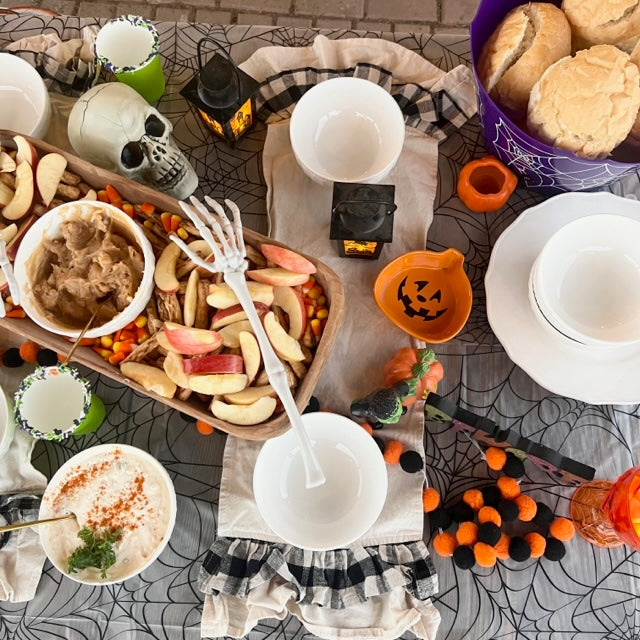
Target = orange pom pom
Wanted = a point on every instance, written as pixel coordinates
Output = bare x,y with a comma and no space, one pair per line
444,544
537,543
367,427
473,497
467,533
430,499
509,488
562,529
489,514
502,547
495,457
29,351
393,451
484,554
527,508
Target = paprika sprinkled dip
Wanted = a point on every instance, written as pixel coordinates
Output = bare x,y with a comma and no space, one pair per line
110,488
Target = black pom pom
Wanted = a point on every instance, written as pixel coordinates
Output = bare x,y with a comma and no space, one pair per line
12,358
489,533
440,518
508,510
544,516
491,495
47,358
554,550
462,512
519,549
513,467
463,557
410,461
381,443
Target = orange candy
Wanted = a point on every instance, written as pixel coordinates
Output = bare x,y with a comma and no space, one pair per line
537,543
473,497
393,451
562,529
444,544
496,458
489,514
430,499
485,555
467,533
527,508
502,547
509,488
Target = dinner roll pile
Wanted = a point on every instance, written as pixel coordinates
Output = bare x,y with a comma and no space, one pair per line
588,102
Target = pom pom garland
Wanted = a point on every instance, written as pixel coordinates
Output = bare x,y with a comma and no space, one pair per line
508,510
508,487
502,547
467,533
464,557
519,549
562,529
444,544
431,500
514,467
491,495
544,516
380,443
440,518
526,508
411,462
489,533
393,451
555,550
461,512
537,543
489,514
485,555
473,497
495,458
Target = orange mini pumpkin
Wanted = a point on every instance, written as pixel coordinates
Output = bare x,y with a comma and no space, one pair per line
417,366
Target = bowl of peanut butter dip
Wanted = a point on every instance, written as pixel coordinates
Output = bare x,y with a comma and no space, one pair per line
74,257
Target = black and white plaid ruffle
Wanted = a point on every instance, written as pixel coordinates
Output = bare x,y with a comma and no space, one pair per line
434,113
17,507
335,579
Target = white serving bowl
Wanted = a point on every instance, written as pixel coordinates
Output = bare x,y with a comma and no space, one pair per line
59,539
585,283
24,100
7,424
347,130
338,512
49,224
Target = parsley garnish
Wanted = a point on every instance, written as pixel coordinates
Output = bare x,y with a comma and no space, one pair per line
96,552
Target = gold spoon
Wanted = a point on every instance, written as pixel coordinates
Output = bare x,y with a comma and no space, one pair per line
87,326
35,523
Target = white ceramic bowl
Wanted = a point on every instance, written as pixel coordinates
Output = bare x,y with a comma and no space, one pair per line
585,283
49,224
7,424
340,511
140,546
24,99
347,130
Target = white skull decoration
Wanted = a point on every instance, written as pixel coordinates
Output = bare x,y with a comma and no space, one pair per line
113,127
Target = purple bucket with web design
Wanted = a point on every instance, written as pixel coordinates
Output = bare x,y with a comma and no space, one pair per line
542,167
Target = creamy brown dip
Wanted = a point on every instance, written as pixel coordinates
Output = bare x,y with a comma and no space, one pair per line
85,262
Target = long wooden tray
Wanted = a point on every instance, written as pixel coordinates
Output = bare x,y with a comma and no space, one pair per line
136,193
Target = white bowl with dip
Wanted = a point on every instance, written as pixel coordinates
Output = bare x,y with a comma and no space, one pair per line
109,486
50,226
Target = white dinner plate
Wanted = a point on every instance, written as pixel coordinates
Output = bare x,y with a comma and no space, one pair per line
590,374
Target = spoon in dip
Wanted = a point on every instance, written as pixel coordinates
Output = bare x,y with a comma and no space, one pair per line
35,523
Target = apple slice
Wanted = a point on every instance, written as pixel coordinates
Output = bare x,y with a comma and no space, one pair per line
190,304
22,200
48,175
165,272
244,415
251,355
285,346
151,378
250,394
12,245
173,367
221,296
231,333
7,163
287,259
223,317
291,302
6,194
25,151
216,363
278,276
8,233
218,383
163,343
191,341
90,195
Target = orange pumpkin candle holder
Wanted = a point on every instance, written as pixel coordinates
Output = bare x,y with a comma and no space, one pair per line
485,184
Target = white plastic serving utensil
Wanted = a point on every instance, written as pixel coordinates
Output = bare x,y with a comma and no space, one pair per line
230,260
7,270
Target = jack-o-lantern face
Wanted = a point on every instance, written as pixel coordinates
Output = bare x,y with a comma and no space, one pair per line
420,300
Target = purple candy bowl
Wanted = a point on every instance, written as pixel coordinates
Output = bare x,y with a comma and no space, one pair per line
542,167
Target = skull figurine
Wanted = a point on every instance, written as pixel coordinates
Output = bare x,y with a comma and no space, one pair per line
113,127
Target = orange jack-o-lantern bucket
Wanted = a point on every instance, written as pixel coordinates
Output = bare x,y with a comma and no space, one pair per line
425,293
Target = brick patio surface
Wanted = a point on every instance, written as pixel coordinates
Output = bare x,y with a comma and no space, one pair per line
417,16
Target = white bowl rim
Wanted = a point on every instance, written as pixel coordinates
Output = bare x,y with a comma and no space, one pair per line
7,424
140,298
130,450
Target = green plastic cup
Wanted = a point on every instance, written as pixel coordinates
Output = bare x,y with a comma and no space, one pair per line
129,47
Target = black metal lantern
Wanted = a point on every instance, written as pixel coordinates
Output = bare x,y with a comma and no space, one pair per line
222,93
362,218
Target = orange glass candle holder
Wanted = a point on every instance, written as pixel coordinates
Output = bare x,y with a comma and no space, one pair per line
485,184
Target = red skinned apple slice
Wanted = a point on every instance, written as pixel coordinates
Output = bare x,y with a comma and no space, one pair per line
151,378
223,317
244,415
48,175
278,276
165,272
218,383
24,226
172,366
231,333
250,395
285,346
22,200
221,296
163,343
191,341
25,151
7,163
291,302
251,355
216,363
190,304
287,259
6,194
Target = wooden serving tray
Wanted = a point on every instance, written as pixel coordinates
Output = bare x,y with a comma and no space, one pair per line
136,193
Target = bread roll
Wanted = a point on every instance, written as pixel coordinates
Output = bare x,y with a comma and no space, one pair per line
529,39
615,22
586,104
